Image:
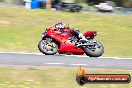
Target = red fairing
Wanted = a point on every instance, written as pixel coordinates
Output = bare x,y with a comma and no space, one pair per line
64,44
69,47
58,36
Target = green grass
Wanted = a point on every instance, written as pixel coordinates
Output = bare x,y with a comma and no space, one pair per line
20,29
47,77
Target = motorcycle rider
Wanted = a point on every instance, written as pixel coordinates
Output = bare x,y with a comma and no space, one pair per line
60,26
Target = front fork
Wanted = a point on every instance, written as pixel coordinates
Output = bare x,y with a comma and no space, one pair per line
48,41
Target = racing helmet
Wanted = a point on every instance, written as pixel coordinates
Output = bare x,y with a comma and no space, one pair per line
61,26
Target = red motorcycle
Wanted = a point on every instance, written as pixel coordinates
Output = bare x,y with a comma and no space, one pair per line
64,41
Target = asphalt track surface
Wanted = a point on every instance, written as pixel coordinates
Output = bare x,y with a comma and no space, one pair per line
16,59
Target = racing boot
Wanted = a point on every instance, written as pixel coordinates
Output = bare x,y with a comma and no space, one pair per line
79,35
82,38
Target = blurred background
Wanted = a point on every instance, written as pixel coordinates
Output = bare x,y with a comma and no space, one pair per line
124,6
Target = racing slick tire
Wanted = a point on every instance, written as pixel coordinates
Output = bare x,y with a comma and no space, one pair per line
94,53
42,48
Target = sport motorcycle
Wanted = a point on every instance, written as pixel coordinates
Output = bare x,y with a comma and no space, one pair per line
55,40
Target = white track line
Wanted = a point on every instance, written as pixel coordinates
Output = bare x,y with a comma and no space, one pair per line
54,63
21,53
115,57
99,65
78,64
62,55
98,57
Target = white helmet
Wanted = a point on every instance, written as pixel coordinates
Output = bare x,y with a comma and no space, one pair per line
61,25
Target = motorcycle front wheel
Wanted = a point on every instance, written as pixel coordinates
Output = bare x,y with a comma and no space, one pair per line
48,49
94,51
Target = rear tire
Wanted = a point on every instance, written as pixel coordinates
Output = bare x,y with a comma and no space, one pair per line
91,53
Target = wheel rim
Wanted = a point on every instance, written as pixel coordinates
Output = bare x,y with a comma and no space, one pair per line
96,48
48,48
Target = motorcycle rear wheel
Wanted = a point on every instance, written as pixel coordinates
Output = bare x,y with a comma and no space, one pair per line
42,48
93,53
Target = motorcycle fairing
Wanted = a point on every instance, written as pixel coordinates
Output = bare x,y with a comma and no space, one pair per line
65,44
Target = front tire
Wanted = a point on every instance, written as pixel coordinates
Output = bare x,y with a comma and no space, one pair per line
42,48
94,53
